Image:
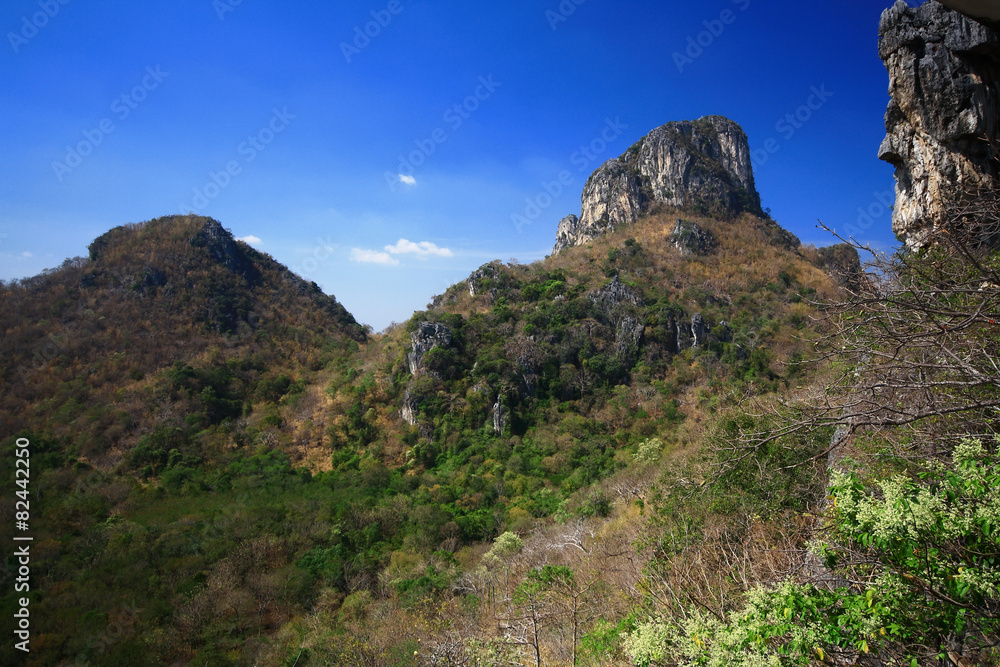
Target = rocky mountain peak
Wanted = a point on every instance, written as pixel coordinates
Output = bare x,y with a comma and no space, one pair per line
701,165
943,121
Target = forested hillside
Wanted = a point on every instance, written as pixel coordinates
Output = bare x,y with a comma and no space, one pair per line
682,439
619,455
216,457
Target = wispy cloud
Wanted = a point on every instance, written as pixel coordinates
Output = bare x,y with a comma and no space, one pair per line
422,249
27,253
408,180
372,257
251,239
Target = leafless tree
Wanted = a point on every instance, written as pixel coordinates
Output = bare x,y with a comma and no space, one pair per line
914,345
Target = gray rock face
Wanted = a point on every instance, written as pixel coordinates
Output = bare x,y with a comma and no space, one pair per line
699,330
427,336
617,303
614,294
223,248
986,12
703,165
691,239
499,416
944,74
479,278
568,232
688,333
410,407
628,335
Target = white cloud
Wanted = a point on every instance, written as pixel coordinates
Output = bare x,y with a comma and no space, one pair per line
27,253
422,249
372,257
251,239
409,180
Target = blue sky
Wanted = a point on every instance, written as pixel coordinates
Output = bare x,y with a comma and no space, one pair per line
388,165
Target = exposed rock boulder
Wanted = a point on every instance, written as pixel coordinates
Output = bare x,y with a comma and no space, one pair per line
703,165
482,278
943,121
691,239
410,406
224,249
699,330
427,336
688,333
568,232
617,305
986,12
614,294
627,337
499,416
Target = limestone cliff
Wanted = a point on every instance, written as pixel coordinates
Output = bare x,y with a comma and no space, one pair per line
986,12
427,336
943,120
703,165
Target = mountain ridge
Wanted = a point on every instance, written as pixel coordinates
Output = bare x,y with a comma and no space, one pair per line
701,166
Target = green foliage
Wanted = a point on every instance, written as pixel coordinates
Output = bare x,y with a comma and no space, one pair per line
772,478
430,584
604,641
194,362
648,451
929,555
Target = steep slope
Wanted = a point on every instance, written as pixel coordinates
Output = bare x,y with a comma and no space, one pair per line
86,347
702,166
169,383
533,399
943,121
515,340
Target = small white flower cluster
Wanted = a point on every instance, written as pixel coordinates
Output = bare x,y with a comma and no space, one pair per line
905,510
648,451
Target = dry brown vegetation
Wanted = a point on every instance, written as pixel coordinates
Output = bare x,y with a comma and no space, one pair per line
212,392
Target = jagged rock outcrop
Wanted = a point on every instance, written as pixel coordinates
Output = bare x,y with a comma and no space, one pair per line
568,233
427,336
499,416
688,333
617,304
691,239
699,330
614,294
483,276
703,165
224,249
628,335
986,12
410,406
943,121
